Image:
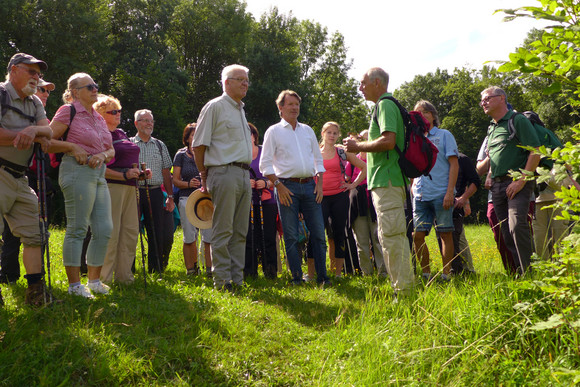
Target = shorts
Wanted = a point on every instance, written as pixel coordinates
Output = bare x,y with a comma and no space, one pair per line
429,212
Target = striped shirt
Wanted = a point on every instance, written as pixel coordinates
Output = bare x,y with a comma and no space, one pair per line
155,155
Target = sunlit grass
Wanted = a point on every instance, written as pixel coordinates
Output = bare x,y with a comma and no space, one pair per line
180,331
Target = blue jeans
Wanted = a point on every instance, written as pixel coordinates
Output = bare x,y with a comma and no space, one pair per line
303,201
87,203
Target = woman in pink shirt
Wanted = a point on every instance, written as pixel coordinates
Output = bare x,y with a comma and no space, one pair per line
88,147
336,187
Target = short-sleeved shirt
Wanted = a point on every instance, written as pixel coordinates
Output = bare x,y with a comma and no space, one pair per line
15,122
466,176
126,154
383,167
505,154
188,170
155,155
222,127
435,186
87,129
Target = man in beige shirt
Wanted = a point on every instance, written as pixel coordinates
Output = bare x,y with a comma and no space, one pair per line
222,147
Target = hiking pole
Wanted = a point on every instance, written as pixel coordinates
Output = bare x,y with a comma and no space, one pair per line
152,224
262,230
43,217
143,253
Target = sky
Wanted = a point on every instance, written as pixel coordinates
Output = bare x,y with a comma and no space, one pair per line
413,37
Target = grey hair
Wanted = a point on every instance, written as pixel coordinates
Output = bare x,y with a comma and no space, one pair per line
495,90
142,112
380,74
229,70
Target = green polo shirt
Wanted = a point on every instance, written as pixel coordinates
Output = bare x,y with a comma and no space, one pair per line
506,155
383,167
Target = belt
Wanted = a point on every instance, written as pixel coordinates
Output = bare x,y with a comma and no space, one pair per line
149,186
240,165
300,180
17,171
499,179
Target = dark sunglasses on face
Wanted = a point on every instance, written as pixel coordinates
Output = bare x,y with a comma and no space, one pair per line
43,90
90,87
114,112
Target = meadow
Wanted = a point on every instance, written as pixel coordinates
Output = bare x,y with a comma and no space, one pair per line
179,331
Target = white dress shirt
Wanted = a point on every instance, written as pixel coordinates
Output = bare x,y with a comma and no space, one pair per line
288,152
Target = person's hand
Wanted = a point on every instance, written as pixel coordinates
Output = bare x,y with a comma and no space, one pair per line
80,155
514,187
448,201
252,183
284,195
97,161
318,191
460,202
203,176
488,181
259,184
132,173
25,138
44,143
350,144
169,204
467,209
194,183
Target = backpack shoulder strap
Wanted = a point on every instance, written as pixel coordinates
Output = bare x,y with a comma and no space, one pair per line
5,101
72,114
341,156
512,127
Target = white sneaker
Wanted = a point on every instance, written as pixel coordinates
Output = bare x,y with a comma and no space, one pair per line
99,287
307,278
81,290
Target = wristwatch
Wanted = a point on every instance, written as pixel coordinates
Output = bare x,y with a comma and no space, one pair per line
170,196
276,182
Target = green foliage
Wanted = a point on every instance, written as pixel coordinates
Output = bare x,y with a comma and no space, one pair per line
556,284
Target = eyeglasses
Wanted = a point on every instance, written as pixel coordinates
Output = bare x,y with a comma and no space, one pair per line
242,80
114,112
32,72
147,121
486,99
43,90
90,87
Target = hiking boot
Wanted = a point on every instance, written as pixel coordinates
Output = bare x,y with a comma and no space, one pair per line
426,277
37,295
194,270
99,287
81,290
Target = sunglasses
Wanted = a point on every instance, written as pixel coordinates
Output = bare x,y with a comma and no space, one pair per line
114,112
43,90
90,87
31,72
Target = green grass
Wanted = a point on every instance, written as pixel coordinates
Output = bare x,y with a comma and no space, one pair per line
182,332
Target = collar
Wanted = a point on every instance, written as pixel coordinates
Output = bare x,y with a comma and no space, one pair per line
386,94
506,117
286,124
433,130
238,106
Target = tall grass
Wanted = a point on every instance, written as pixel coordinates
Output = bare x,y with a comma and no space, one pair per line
181,331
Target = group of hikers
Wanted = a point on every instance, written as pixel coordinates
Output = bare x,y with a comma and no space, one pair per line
293,187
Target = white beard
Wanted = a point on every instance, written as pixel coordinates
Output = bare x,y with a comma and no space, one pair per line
29,90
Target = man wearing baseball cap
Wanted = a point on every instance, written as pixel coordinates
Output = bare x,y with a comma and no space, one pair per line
23,123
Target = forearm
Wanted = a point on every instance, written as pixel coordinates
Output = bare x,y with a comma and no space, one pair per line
482,166
533,162
453,172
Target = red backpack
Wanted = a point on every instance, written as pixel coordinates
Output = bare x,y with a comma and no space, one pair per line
419,154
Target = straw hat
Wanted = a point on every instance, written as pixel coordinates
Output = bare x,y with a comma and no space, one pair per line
199,209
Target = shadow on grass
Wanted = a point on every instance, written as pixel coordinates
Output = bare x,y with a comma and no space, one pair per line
129,336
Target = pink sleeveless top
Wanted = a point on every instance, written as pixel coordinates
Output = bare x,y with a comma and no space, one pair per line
332,179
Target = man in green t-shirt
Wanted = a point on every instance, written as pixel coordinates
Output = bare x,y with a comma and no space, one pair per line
510,197
385,178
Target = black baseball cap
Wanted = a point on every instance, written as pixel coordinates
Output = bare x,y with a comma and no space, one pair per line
28,59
